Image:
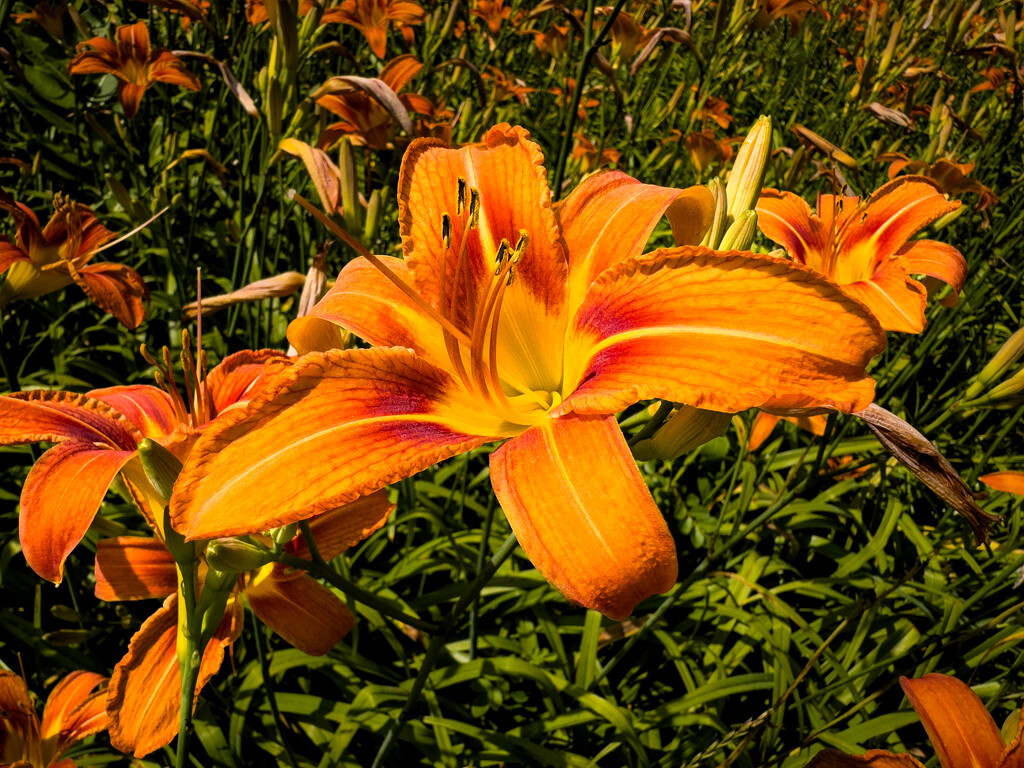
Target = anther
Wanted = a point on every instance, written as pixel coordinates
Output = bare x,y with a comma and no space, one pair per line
460,205
446,226
474,207
521,243
511,274
499,257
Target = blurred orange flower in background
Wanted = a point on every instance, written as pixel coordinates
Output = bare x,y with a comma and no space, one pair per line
133,62
373,18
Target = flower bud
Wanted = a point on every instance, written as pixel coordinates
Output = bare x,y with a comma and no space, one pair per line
740,235
284,534
1007,356
162,468
718,217
686,429
747,177
233,556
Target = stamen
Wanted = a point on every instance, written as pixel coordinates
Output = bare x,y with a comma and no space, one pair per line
460,203
446,229
500,256
164,378
474,208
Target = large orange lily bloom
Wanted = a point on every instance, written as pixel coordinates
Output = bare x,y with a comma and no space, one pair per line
145,689
514,318
865,246
97,436
133,62
373,18
73,711
961,730
42,260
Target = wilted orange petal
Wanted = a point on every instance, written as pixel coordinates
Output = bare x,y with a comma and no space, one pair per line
1010,482
939,260
332,427
895,299
344,527
786,219
32,417
610,216
232,381
507,169
724,331
961,730
60,498
306,614
895,212
369,305
576,501
876,758
322,172
72,712
134,568
145,689
148,408
115,288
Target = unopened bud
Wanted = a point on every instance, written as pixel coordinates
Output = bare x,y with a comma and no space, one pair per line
740,235
349,182
748,171
234,556
718,217
162,468
373,211
686,429
1007,356
284,534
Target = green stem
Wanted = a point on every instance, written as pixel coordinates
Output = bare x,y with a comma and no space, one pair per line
189,664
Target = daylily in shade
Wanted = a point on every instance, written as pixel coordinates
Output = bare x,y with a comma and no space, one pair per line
865,246
145,689
49,17
492,12
373,18
73,711
131,60
793,10
586,153
42,260
97,436
364,119
962,732
506,87
514,318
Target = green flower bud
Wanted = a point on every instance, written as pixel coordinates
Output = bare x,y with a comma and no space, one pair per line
740,235
747,177
1007,356
686,429
234,556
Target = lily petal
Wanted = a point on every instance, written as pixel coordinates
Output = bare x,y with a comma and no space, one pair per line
935,259
72,713
114,288
961,730
786,219
44,415
576,501
507,169
150,409
60,498
232,381
21,721
372,416
134,568
145,690
305,613
1010,482
723,331
876,758
897,300
344,527
610,216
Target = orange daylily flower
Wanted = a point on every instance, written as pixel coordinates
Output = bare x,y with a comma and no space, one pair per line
865,246
492,12
373,18
97,436
131,60
627,35
73,711
793,10
41,260
512,318
49,17
704,148
145,688
364,119
585,151
506,87
952,178
959,727
713,110
256,11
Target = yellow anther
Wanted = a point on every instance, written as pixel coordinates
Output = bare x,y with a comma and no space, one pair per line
446,230
460,205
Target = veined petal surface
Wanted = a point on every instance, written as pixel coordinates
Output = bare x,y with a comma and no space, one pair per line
38,415
72,713
150,409
961,730
330,428
114,288
935,259
59,501
302,611
232,380
344,527
722,331
895,299
786,219
576,501
134,568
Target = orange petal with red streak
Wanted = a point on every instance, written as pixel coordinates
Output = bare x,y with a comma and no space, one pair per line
576,501
961,730
134,568
876,758
305,613
1010,482
610,216
332,427
895,299
148,408
32,417
233,380
724,331
144,697
344,527
72,712
60,498
935,259
786,219
115,288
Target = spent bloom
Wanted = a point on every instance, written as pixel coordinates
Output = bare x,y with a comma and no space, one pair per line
515,319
